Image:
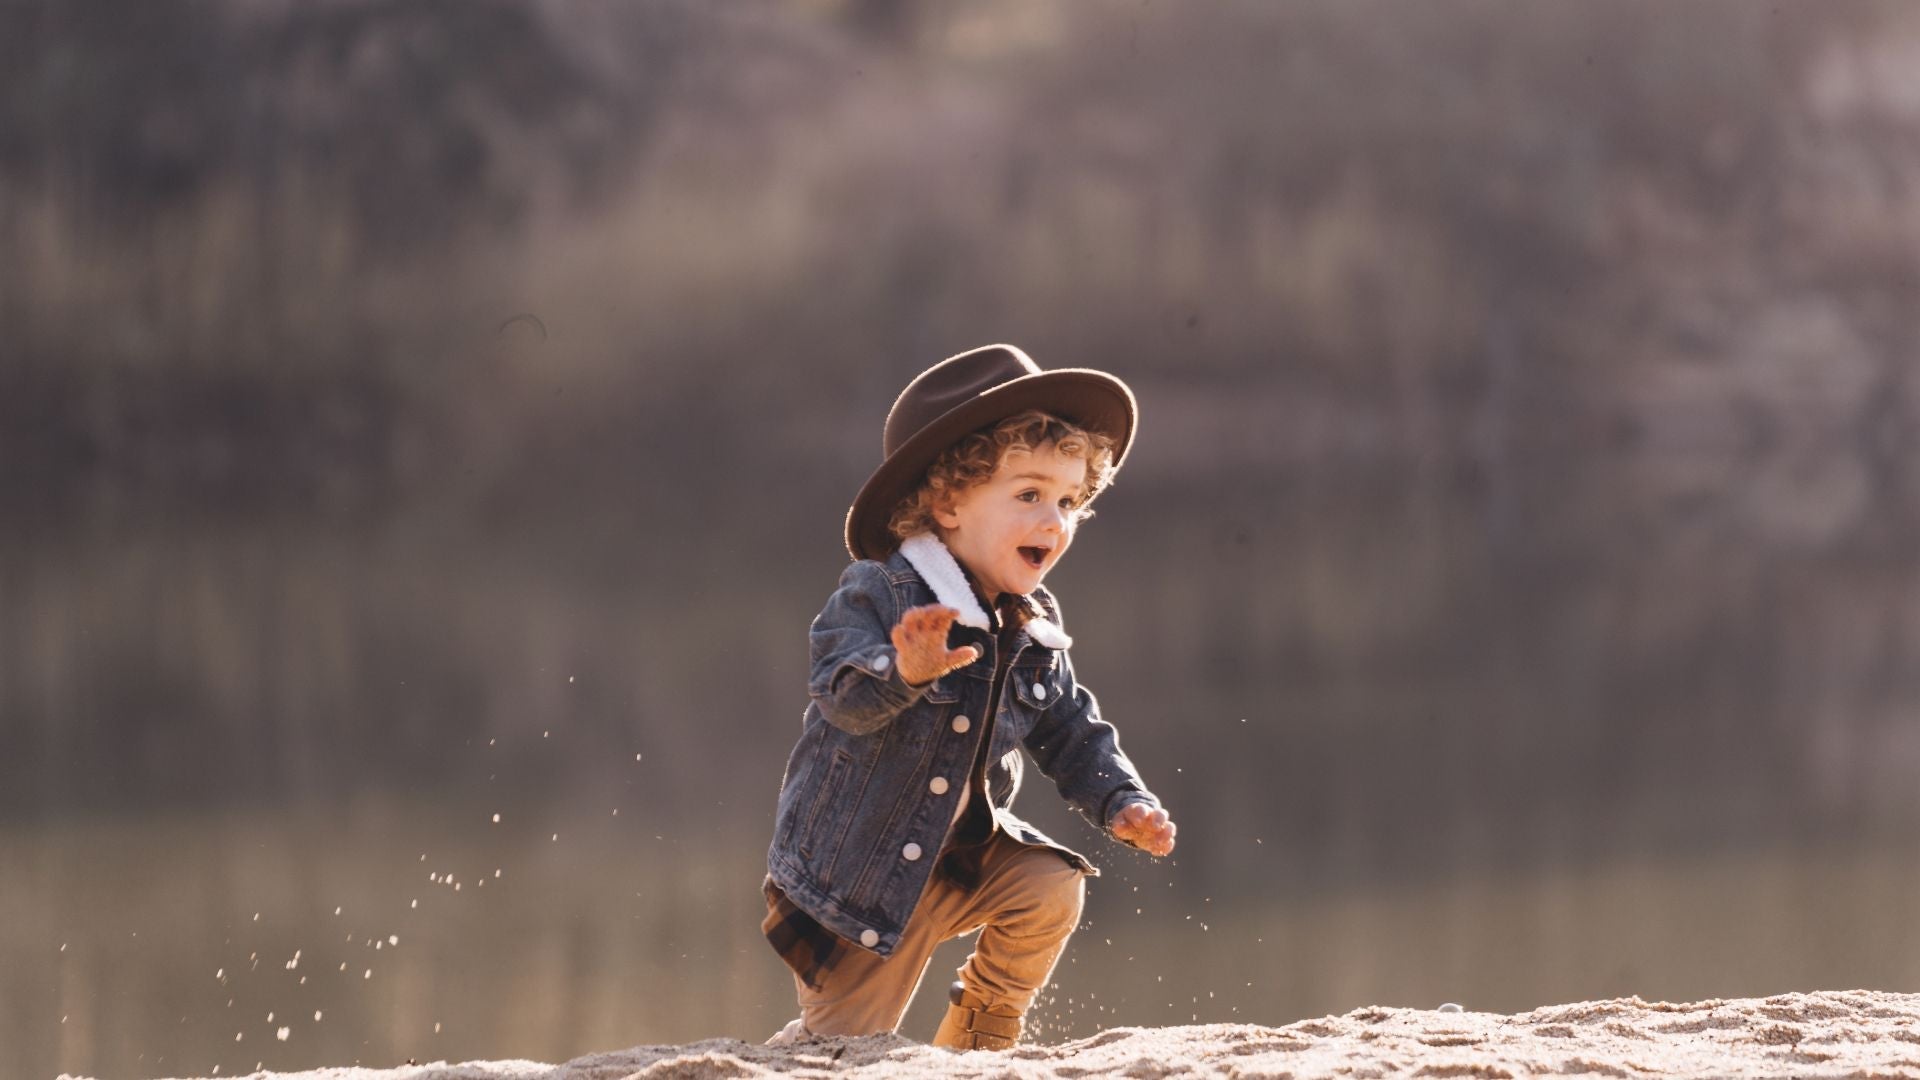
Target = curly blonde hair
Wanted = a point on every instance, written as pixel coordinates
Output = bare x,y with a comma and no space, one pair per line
971,462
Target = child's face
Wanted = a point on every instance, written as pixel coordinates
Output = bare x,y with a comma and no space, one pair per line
1012,529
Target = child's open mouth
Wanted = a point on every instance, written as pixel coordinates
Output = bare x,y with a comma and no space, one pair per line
1035,556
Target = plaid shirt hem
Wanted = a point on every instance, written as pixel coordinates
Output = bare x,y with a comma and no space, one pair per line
808,948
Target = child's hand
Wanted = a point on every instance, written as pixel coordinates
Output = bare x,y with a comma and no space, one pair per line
1144,826
921,641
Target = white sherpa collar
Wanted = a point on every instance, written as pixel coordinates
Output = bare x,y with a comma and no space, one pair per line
938,568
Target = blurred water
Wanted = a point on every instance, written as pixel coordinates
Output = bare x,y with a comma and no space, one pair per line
1430,736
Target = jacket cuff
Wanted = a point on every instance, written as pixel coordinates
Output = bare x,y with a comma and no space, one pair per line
882,664
1118,801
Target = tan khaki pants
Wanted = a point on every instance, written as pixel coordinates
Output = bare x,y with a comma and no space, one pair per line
1026,906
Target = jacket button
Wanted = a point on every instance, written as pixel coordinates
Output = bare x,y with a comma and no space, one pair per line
937,785
882,662
1040,691
869,938
910,852
961,723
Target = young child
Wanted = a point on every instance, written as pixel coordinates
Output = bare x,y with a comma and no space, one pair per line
939,656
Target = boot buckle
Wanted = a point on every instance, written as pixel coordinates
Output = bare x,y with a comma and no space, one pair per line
991,1030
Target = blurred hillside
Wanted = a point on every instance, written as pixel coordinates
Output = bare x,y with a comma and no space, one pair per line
264,248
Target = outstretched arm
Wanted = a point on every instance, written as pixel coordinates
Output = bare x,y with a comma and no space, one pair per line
1081,754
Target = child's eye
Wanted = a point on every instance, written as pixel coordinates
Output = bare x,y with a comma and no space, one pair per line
1066,503
1028,495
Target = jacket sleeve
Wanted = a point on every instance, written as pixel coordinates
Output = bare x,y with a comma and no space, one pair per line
1081,754
855,679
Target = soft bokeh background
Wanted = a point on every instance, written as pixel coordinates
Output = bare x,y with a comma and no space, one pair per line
1513,592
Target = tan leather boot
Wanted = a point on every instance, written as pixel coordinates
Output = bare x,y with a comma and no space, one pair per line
971,1025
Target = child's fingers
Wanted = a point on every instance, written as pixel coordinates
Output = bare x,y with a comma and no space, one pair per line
928,620
912,631
1146,827
1151,832
956,659
921,639
1163,841
929,615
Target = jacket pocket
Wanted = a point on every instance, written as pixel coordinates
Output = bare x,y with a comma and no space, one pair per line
1034,685
820,815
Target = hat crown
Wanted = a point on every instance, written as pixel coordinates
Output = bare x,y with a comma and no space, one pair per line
949,384
967,393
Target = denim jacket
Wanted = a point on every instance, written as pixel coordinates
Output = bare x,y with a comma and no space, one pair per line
870,789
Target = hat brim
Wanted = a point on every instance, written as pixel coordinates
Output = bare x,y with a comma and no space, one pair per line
1090,399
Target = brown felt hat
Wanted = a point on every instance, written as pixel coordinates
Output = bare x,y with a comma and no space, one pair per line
961,395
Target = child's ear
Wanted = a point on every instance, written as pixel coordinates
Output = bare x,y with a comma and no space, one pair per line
943,512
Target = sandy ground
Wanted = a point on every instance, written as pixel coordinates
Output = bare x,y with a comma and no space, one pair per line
1854,1033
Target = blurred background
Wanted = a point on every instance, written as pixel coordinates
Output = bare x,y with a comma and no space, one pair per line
1513,592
